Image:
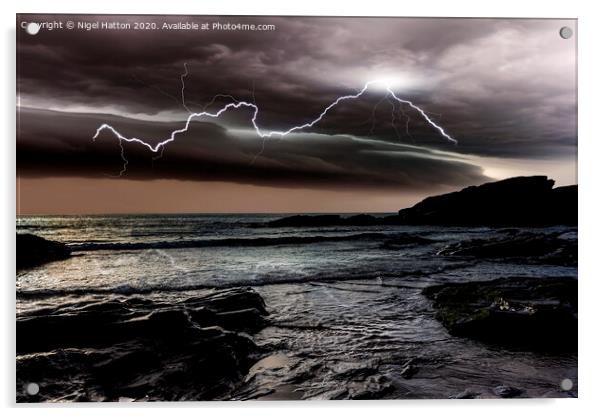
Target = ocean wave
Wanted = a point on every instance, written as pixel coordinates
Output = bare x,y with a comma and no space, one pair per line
225,242
390,279
166,288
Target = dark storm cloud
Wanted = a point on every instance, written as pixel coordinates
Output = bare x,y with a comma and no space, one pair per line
59,144
503,88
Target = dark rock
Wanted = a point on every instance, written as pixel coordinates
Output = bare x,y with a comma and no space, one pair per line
356,373
33,251
307,221
362,219
520,201
526,246
333,220
409,369
466,394
507,391
532,313
250,319
197,349
374,387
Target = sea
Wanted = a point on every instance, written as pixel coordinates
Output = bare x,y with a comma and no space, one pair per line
341,300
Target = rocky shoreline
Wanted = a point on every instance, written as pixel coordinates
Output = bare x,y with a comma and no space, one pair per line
132,348
533,313
520,247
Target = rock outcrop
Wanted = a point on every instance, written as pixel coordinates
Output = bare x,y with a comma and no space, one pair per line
138,348
520,201
33,250
521,247
326,220
532,313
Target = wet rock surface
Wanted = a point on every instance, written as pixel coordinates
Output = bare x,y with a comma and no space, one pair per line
466,394
519,246
507,392
140,349
33,250
532,313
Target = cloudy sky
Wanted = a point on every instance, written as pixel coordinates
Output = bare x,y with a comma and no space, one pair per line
504,89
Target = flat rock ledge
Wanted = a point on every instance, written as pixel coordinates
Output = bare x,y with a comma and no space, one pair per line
138,349
518,312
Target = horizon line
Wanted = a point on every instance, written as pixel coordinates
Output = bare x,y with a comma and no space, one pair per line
210,213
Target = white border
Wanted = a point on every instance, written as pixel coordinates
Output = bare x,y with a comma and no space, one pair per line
590,181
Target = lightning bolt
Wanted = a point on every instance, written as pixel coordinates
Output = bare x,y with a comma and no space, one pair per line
184,75
264,134
407,122
423,114
205,107
373,116
393,114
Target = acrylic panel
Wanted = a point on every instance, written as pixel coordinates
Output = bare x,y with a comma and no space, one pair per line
291,208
